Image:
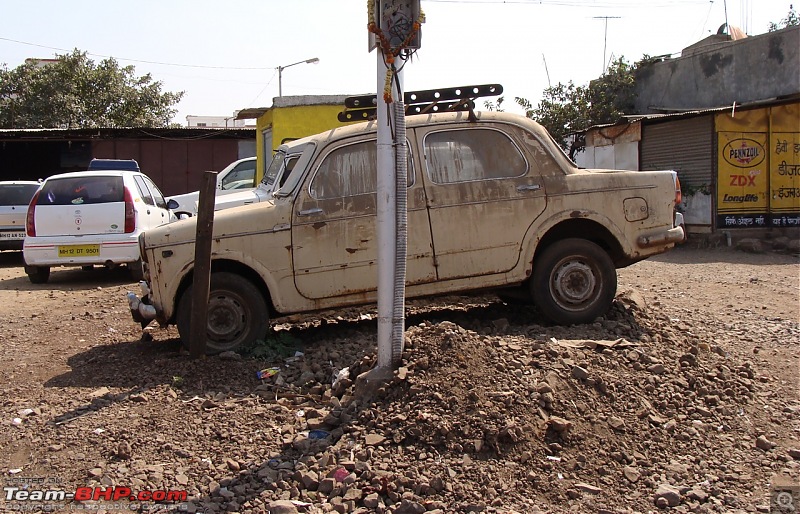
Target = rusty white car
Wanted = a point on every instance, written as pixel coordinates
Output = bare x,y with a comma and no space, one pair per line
493,203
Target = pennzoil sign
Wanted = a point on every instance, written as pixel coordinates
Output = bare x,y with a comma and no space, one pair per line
744,153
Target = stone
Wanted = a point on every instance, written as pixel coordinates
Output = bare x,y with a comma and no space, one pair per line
750,245
794,453
371,501
375,439
656,369
230,356
631,474
762,443
579,373
560,425
588,488
232,465
282,507
616,423
697,495
409,507
669,494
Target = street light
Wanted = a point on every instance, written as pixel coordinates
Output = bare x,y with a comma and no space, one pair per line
313,60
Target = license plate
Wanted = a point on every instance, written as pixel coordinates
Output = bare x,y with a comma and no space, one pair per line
78,250
12,235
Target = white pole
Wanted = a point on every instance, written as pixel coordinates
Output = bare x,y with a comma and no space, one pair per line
385,226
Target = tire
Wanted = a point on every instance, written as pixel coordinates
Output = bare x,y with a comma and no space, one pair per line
237,314
38,274
574,281
136,271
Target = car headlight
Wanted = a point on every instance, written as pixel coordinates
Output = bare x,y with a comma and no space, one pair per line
142,252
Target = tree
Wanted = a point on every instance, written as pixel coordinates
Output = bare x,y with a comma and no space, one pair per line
791,20
74,92
567,109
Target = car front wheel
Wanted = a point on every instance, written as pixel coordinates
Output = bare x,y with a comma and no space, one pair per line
574,281
237,313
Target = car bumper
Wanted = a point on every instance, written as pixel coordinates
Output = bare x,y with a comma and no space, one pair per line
44,251
668,237
141,310
11,239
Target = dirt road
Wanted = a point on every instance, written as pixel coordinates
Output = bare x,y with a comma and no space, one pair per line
685,396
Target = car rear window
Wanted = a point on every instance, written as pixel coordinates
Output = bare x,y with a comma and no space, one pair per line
82,191
17,194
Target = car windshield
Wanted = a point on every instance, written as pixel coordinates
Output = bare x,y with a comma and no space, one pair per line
17,194
82,190
274,169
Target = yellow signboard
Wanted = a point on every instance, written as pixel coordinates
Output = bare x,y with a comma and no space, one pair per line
758,163
743,176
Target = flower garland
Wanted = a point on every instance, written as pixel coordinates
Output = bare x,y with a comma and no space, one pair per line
389,52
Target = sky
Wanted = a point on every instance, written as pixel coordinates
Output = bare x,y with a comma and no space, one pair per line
225,54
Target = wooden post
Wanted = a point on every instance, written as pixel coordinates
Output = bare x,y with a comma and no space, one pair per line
201,282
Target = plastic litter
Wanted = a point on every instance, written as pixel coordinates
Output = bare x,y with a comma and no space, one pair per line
267,373
318,434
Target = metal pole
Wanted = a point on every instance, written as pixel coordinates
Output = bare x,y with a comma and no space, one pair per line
385,225
280,89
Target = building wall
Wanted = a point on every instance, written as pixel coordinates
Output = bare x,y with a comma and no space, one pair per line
280,124
752,69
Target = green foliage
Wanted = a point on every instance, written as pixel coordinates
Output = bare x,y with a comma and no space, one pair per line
791,20
274,347
178,381
74,92
566,109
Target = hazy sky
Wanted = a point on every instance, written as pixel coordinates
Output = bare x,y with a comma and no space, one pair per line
224,54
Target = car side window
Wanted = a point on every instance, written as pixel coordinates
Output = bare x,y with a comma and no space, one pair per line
350,170
242,173
467,155
143,190
156,192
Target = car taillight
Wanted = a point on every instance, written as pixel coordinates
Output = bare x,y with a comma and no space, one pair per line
130,212
30,225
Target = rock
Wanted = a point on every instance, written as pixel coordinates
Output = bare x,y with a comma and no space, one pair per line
750,245
282,507
229,356
98,393
375,440
616,423
579,373
232,465
697,495
588,488
631,474
560,425
667,494
656,369
410,507
762,443
371,501
794,453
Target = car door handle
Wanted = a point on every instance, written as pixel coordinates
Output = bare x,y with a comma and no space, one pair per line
528,187
310,212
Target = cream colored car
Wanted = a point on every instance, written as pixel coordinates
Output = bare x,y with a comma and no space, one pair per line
492,204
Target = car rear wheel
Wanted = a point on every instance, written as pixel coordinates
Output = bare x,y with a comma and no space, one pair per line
136,271
38,274
574,281
237,313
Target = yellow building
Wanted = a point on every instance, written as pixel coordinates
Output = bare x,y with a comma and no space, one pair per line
289,118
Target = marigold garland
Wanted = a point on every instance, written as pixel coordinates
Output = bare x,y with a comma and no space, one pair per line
389,52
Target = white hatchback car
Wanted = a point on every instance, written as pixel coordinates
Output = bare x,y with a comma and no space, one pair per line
91,217
14,199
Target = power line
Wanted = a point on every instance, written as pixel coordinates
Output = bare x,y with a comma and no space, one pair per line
141,60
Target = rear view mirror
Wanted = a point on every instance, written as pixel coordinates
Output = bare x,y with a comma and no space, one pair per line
172,204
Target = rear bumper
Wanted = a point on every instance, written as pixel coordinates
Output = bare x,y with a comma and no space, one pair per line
119,249
11,239
141,310
671,236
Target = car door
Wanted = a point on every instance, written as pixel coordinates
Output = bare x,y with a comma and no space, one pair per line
154,212
334,239
483,194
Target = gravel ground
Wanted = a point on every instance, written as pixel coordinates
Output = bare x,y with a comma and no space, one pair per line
683,398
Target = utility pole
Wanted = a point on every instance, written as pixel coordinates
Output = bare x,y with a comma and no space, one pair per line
394,31
605,36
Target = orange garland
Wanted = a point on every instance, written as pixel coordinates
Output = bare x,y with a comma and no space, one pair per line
386,47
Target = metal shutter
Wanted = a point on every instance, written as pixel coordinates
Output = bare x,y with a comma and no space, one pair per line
685,146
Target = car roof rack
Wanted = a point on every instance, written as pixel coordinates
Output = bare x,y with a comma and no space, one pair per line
449,99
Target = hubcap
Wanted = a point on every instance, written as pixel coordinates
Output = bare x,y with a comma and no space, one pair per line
574,283
227,319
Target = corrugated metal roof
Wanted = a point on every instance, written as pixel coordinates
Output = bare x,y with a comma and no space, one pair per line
182,133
